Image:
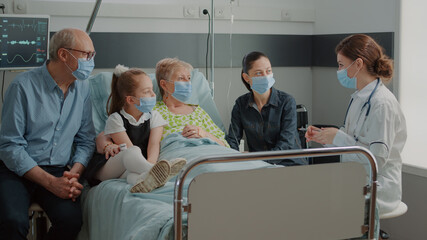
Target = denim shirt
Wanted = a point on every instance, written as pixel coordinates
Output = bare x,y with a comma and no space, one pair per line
40,126
272,129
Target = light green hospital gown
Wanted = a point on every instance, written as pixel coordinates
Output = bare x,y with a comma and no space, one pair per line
198,118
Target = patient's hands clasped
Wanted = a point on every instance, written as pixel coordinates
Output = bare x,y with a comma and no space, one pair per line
191,131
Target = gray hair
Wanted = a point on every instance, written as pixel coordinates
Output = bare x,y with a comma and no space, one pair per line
62,39
166,67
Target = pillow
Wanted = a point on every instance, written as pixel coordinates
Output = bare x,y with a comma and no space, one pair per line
100,85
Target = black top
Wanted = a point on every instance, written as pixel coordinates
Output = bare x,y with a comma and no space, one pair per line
138,135
272,129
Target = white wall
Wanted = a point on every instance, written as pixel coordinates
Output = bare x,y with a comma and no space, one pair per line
345,16
413,84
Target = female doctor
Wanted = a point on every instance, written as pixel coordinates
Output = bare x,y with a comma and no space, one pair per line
374,118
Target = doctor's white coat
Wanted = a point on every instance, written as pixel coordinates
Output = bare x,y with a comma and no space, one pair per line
383,132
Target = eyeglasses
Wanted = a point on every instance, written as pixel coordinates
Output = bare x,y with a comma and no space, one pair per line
89,55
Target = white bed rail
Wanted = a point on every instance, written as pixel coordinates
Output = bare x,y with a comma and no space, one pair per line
179,206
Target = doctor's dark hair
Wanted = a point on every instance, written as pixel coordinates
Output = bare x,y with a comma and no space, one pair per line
122,86
247,63
364,47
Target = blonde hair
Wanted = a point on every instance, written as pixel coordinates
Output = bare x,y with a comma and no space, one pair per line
166,67
123,84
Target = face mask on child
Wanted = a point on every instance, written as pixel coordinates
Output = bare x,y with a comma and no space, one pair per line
146,104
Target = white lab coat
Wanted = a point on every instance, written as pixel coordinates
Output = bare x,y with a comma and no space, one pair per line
384,134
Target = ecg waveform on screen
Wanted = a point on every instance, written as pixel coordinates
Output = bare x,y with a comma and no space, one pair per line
39,26
25,42
20,56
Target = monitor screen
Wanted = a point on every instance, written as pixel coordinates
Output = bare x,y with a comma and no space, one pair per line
24,41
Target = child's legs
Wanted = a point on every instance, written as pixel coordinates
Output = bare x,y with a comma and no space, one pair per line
114,168
135,163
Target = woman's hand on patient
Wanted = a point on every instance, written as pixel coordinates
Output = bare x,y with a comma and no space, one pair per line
322,136
191,131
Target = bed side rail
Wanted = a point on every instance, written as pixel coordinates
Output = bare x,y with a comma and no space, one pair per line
315,152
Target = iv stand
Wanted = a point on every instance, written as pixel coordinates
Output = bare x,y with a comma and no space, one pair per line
212,50
93,16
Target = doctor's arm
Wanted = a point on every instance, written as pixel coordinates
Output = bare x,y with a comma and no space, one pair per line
380,133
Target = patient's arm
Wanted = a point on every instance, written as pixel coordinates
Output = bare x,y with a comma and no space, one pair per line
192,131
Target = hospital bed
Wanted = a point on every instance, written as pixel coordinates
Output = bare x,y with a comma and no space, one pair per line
224,194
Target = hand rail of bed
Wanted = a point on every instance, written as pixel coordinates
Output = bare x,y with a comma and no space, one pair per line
314,152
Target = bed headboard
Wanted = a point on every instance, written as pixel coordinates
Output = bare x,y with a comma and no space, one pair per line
100,85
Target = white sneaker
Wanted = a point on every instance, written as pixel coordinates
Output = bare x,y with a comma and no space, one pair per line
156,177
176,165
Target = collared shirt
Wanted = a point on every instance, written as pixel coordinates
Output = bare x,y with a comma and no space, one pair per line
383,132
115,123
274,128
42,127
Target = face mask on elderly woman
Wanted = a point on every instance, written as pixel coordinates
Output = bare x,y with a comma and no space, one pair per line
182,91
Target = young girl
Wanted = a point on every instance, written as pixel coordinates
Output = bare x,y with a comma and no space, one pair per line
138,130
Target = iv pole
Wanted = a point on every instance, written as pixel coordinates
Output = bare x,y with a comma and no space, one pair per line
93,16
212,50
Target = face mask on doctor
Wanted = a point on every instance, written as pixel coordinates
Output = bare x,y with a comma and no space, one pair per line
345,80
262,84
84,69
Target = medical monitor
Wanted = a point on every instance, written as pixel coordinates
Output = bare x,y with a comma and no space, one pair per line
24,41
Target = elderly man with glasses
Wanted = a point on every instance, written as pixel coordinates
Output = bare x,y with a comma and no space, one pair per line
46,139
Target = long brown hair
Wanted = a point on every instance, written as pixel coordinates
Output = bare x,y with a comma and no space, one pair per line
122,86
364,47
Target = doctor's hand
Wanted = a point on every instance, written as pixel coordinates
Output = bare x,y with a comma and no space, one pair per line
311,133
322,136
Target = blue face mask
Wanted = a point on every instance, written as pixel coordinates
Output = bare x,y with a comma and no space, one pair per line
182,91
84,68
146,104
262,84
345,80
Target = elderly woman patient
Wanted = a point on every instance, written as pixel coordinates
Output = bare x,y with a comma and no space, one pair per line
173,79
